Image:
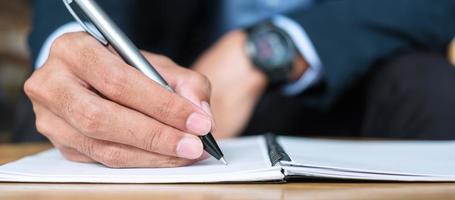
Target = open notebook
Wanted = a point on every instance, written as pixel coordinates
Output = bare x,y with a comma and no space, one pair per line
263,158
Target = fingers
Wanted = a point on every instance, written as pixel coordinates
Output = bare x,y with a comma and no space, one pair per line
94,107
74,155
44,119
123,156
188,83
101,119
125,85
196,88
77,147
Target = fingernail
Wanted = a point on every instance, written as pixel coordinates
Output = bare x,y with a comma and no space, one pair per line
198,123
189,147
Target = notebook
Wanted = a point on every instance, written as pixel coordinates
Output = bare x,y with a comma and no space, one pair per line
267,158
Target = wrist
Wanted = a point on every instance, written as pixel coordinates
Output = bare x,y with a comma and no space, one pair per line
299,67
272,51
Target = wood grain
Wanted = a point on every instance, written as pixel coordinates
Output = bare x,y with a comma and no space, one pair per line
452,52
303,191
10,152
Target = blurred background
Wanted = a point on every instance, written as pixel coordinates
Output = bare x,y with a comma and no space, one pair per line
15,25
14,58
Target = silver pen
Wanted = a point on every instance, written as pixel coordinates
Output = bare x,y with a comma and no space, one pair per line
102,28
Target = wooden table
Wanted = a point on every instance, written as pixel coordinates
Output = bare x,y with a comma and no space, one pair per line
452,52
308,190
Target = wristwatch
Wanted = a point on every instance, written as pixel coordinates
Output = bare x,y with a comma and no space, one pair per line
272,51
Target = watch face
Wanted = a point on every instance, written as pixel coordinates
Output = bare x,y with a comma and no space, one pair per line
272,49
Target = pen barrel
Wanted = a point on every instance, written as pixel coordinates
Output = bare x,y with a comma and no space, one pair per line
119,41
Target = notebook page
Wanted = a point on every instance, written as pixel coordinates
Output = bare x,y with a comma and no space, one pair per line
425,158
302,171
247,157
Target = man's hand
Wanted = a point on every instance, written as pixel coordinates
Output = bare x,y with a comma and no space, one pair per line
95,108
236,83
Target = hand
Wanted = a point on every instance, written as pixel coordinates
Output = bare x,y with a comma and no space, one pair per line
95,108
236,83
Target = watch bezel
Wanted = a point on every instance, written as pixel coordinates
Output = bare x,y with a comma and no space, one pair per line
276,73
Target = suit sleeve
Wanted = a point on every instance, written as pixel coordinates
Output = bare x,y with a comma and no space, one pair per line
351,35
49,15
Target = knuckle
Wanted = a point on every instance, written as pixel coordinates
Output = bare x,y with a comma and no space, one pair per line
41,126
196,77
81,42
153,139
61,43
31,88
114,84
46,82
36,84
201,81
91,119
112,158
87,147
165,111
43,84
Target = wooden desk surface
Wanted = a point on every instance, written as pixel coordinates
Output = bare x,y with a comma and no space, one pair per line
452,52
309,190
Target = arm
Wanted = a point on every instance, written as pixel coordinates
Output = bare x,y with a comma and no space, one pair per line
348,35
351,35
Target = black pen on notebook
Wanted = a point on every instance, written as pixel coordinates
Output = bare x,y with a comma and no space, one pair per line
101,27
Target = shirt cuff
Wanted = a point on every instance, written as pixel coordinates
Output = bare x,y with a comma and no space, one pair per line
308,51
44,51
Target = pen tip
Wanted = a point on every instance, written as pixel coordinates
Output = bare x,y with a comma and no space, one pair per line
224,161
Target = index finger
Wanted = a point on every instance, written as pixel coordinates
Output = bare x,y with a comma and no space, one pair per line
121,83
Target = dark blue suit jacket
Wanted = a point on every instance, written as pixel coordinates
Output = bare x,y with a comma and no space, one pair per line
349,35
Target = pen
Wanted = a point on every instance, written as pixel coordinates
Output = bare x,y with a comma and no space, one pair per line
102,28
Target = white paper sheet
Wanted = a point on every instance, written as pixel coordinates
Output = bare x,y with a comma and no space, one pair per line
248,160
415,158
